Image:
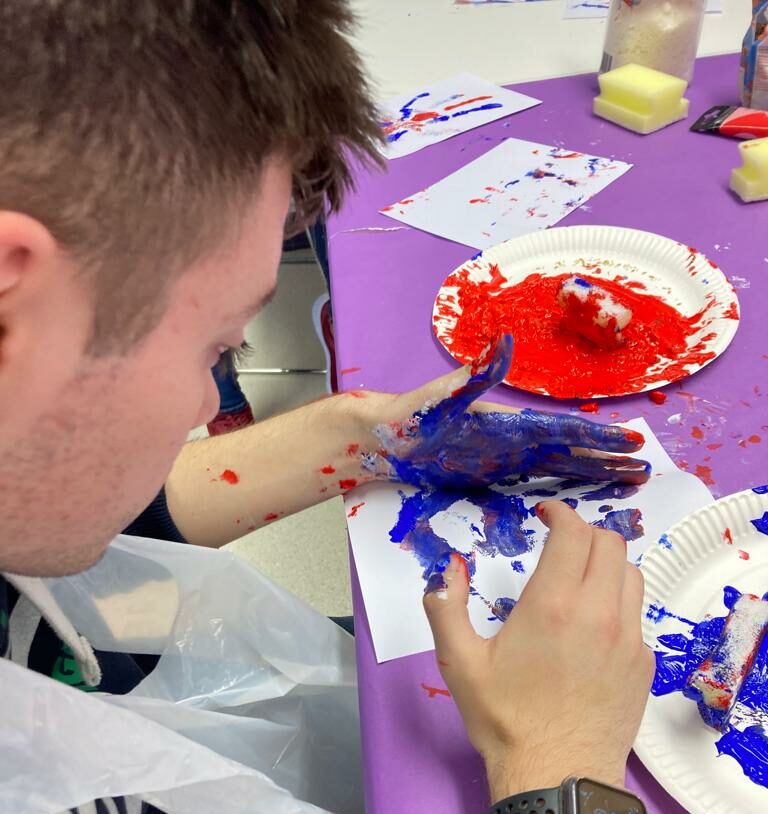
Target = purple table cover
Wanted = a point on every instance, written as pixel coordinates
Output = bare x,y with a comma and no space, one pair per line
416,755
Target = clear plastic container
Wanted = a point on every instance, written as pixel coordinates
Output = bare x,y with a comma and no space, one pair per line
660,34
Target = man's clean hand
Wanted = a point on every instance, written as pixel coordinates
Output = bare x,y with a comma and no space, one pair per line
439,437
561,689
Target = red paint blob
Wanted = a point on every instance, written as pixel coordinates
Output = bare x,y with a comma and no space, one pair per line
347,484
355,509
713,446
268,518
547,358
590,407
754,439
433,691
697,433
348,370
353,449
704,473
744,554
728,537
230,477
634,437
657,397
328,470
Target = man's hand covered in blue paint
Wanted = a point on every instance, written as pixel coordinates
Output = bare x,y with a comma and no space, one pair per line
444,439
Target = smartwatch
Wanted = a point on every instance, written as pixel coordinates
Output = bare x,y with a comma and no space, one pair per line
576,795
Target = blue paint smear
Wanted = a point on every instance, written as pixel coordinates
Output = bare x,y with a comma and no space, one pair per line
517,567
665,542
605,508
406,112
761,524
760,490
684,653
626,522
502,607
612,491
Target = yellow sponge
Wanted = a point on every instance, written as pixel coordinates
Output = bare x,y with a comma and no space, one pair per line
641,99
750,182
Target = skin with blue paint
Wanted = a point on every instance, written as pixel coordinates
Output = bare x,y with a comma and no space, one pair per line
449,445
682,654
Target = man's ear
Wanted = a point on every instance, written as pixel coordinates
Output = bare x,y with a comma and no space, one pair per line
45,319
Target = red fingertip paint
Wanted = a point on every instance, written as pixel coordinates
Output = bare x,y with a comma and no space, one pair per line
590,407
657,397
433,691
347,484
634,437
230,476
327,470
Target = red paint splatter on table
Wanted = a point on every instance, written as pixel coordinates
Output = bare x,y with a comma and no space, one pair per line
697,433
743,554
355,509
657,397
728,537
327,470
230,476
347,484
433,691
353,449
713,446
754,439
590,407
548,359
348,370
704,473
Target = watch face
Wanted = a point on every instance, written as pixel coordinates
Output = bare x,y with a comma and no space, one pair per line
594,798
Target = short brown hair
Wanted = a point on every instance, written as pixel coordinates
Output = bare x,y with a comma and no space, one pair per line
128,126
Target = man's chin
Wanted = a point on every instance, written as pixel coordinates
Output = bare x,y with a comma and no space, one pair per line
58,566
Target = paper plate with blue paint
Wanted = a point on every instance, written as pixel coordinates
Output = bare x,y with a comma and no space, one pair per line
685,311
692,576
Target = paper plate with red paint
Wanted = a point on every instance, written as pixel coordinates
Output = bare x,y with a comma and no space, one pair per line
685,312
688,576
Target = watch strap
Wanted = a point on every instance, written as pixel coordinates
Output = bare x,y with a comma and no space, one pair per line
539,801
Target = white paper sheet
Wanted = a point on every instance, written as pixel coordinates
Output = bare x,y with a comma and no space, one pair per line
586,9
392,579
488,2
514,189
431,114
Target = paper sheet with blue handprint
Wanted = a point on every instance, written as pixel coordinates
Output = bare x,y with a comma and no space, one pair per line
401,533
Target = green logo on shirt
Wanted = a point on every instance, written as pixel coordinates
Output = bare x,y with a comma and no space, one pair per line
66,670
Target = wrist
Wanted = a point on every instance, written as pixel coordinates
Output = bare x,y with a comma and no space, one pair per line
508,775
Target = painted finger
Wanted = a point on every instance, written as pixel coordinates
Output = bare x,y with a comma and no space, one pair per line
556,462
606,568
445,603
482,377
565,554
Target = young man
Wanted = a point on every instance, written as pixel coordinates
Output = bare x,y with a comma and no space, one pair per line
149,153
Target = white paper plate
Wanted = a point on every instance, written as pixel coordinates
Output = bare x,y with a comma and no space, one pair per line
688,580
685,280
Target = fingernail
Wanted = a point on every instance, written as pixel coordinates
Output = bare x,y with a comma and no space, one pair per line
437,583
636,438
539,509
